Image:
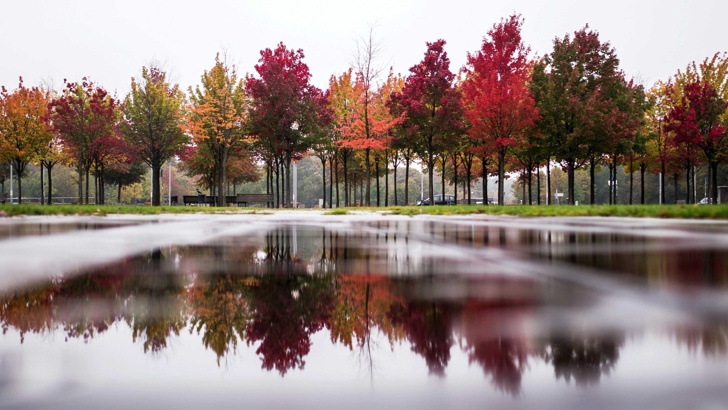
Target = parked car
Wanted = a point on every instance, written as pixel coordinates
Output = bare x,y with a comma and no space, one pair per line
449,200
706,201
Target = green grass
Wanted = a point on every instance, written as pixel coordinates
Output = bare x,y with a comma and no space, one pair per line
337,211
638,211
35,209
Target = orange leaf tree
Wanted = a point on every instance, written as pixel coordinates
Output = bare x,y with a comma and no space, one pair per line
219,118
23,127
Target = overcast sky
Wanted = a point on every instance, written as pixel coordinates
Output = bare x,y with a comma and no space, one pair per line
109,41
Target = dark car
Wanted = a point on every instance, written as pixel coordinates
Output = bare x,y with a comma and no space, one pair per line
449,200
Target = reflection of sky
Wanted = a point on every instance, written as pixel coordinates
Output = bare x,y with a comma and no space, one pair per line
109,365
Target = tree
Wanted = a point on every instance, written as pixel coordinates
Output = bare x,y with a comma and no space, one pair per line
23,127
497,99
695,120
85,117
219,117
124,174
284,104
574,89
430,106
342,94
152,122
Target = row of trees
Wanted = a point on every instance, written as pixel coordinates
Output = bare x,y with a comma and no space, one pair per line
504,113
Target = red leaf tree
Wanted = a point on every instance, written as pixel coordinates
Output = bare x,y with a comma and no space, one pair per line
284,106
86,118
430,107
695,122
496,97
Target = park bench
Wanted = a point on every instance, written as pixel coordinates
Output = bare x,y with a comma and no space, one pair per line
195,200
254,198
3,197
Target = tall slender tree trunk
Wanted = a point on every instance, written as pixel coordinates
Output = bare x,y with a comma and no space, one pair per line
538,184
484,181
643,165
156,190
347,203
406,181
530,186
376,176
592,166
714,181
386,178
662,183
49,167
323,182
442,176
394,184
548,182
501,175
570,176
336,169
431,177
88,177
367,163
42,191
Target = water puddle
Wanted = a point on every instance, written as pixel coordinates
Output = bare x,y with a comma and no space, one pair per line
397,314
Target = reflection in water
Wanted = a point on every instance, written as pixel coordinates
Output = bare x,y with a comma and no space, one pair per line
275,292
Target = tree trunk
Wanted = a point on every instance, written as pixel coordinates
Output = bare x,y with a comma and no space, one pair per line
346,181
714,181
530,186
570,174
49,167
376,176
323,181
662,183
118,194
367,201
431,177
484,181
501,174
642,182
548,182
538,184
42,193
88,177
336,169
592,166
79,169
443,159
394,174
406,181
386,179
156,189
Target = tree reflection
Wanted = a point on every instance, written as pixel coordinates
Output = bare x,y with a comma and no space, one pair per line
583,359
428,329
494,343
219,310
286,309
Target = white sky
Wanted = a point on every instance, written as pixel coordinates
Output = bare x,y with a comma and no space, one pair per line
110,41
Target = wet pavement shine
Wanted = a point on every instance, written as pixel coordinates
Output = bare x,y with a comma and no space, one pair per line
310,311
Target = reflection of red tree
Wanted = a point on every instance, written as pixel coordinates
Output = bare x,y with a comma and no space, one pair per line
286,309
494,341
362,302
428,328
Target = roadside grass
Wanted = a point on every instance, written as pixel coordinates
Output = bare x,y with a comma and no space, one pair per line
103,210
637,211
